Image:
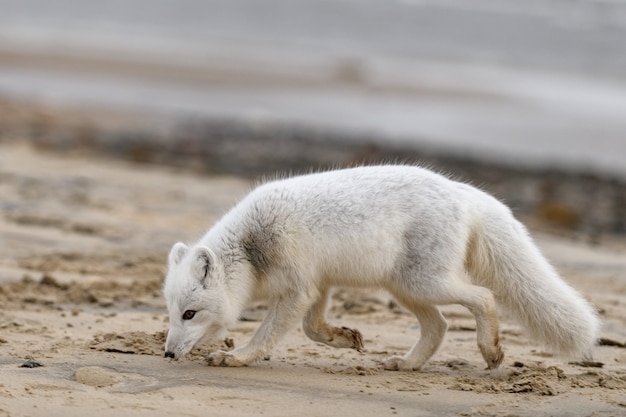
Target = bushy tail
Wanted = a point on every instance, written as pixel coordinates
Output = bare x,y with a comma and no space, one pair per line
503,258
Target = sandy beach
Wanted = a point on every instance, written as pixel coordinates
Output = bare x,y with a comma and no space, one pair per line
83,247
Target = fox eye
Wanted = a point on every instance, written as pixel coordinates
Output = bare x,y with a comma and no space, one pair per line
188,314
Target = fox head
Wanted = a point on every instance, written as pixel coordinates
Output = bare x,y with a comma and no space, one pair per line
196,299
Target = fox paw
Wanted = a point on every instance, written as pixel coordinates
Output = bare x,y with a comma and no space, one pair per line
493,355
397,363
343,337
221,358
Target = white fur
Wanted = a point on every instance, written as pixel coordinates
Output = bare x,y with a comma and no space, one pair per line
427,239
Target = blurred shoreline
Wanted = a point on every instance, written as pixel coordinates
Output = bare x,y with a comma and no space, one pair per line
575,201
518,118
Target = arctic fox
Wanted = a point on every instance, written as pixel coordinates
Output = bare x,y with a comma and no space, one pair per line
426,239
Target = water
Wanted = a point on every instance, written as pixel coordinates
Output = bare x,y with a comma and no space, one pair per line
539,82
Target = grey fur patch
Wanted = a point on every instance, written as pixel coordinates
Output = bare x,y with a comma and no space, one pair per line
261,248
420,247
410,261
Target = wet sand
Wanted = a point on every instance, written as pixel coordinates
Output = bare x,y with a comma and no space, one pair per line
83,245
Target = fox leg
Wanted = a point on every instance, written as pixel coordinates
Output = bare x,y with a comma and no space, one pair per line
480,302
317,328
433,328
477,299
282,313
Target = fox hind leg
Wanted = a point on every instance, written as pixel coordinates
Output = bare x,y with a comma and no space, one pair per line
478,300
433,327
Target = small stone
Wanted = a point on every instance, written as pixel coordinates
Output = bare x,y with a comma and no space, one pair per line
31,363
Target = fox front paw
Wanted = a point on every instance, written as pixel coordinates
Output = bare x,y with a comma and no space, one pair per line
493,355
221,358
397,363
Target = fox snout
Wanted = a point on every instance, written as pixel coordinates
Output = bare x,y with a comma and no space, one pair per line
173,348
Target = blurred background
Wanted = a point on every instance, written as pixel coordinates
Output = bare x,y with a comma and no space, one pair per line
527,98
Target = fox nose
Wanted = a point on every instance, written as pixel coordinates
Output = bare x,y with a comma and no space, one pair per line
169,354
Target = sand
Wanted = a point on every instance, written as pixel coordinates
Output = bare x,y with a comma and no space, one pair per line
83,243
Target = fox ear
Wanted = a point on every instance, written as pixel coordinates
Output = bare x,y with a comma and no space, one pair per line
204,263
177,252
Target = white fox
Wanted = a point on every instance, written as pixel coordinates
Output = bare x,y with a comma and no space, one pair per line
426,239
